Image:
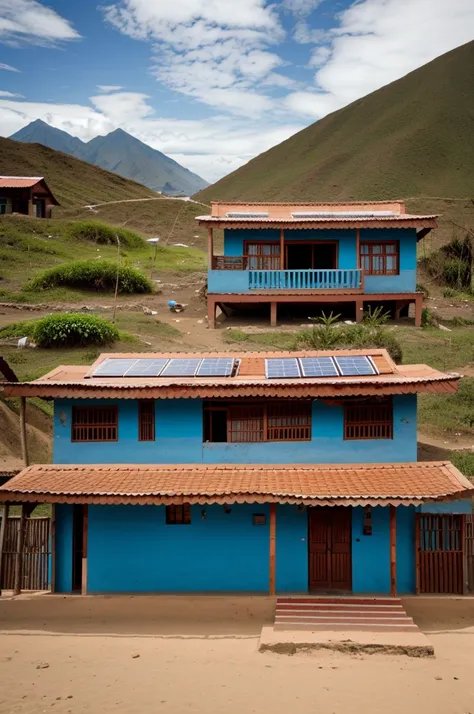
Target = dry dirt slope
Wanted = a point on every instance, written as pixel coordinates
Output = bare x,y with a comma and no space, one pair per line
38,434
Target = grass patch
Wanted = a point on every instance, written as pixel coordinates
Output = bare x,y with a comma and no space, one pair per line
104,234
65,330
464,461
87,274
449,414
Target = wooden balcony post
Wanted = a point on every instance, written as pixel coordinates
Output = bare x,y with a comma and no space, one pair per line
85,530
393,551
358,248
24,444
272,579
3,528
273,314
210,246
282,249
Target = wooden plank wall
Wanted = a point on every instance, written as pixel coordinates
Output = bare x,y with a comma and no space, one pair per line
36,554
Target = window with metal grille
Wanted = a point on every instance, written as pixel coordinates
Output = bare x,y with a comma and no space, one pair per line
146,420
369,420
178,515
380,258
254,422
263,256
94,424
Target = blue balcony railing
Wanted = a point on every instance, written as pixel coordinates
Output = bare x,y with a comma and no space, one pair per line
305,280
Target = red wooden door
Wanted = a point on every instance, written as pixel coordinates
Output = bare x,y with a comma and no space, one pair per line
330,562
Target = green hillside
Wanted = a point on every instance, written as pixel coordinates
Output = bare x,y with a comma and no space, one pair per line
412,138
73,182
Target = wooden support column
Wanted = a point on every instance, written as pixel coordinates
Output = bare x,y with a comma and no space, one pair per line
464,555
273,314
3,528
272,580
210,246
393,551
24,443
358,248
211,312
417,553
418,310
53,548
19,552
282,249
359,310
85,528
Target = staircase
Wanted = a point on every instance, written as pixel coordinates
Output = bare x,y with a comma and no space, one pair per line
342,613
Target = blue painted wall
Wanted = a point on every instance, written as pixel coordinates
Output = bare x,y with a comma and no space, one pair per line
179,438
131,549
371,554
448,507
236,281
63,548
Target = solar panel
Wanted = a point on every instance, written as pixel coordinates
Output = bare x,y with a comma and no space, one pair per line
282,368
216,367
353,366
318,367
146,367
181,367
114,367
247,214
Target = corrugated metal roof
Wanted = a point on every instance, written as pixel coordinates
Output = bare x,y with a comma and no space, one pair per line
361,484
77,381
396,221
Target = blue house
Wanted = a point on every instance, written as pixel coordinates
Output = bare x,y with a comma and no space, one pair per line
250,472
315,253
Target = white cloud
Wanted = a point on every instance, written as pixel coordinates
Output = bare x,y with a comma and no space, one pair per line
211,148
217,51
9,94
8,67
29,21
301,7
109,87
306,35
377,42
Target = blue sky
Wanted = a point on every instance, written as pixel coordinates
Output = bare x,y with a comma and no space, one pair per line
211,83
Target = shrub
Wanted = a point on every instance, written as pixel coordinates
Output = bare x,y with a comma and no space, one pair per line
427,318
103,234
376,318
420,288
89,274
456,273
324,333
73,330
451,264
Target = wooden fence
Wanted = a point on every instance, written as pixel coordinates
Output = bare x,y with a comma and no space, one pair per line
36,554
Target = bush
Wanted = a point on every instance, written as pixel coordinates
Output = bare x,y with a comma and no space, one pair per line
73,330
103,234
427,318
420,288
451,264
89,274
456,273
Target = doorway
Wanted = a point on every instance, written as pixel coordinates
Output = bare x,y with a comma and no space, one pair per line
77,546
311,255
330,548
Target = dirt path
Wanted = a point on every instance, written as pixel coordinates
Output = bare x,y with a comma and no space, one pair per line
84,674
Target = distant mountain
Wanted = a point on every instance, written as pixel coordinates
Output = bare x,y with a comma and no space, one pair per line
73,182
411,138
120,153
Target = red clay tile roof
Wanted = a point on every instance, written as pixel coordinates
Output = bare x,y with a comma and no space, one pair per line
344,484
19,181
75,381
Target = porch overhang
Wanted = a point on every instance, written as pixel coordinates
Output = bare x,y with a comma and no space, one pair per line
404,484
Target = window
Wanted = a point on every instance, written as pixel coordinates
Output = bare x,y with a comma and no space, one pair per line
178,515
146,420
3,206
254,422
263,256
368,420
94,424
380,258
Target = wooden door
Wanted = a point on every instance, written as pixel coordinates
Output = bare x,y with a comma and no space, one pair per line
440,546
330,561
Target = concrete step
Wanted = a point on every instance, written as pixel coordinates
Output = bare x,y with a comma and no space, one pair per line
342,627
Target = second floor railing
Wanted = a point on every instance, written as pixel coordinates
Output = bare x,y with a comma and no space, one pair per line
305,279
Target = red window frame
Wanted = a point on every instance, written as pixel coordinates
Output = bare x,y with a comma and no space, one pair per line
146,420
259,259
368,420
375,263
94,424
254,422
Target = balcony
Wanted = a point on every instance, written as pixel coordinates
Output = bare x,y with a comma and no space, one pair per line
305,280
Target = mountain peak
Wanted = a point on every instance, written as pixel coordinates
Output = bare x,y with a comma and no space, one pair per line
119,152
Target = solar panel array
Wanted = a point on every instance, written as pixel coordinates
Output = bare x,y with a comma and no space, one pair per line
164,367
294,368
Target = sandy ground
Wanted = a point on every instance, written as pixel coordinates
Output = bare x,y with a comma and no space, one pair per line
214,666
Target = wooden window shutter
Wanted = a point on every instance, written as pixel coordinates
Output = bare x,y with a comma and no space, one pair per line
94,424
368,420
146,420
